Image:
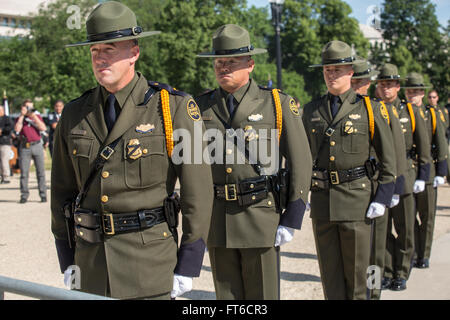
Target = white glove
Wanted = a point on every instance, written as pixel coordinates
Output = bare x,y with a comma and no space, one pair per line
68,278
419,186
284,235
375,210
181,285
395,200
438,181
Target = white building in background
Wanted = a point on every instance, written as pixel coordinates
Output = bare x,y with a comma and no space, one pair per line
373,35
16,16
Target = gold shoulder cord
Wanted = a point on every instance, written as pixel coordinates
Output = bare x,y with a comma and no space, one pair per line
276,99
411,115
387,113
433,119
370,114
167,121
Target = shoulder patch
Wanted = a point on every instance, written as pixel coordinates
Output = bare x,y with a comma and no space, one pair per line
395,112
294,107
384,112
192,110
442,116
421,113
159,86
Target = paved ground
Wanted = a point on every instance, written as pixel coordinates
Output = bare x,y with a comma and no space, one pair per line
27,252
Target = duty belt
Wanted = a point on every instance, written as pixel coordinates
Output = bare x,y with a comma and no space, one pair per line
245,192
323,178
92,227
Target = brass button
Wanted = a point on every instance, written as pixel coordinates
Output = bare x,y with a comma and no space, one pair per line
74,152
105,174
229,170
252,186
105,199
332,143
165,234
229,151
269,203
253,197
79,219
363,185
145,151
301,191
332,158
81,233
356,130
315,174
313,130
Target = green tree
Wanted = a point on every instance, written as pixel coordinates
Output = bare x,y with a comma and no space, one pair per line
413,25
307,26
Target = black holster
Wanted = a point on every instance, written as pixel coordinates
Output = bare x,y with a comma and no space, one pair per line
280,188
172,208
371,167
68,209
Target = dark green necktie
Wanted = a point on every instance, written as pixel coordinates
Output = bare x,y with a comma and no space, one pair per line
110,112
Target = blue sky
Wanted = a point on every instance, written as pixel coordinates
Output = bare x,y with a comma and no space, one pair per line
360,8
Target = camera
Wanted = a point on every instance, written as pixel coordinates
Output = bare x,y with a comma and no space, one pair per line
30,109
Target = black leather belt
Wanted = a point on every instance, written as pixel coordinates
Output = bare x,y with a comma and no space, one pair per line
245,192
92,227
29,144
323,178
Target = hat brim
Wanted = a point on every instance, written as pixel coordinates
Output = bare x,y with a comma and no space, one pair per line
417,87
250,53
336,64
87,43
372,73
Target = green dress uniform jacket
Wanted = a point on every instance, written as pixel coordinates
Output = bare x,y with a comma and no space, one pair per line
438,141
141,263
348,201
254,226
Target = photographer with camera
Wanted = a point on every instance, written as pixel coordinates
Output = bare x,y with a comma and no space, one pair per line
28,127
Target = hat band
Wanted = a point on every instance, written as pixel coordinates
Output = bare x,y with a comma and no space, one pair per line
115,34
336,61
233,51
359,74
414,85
389,77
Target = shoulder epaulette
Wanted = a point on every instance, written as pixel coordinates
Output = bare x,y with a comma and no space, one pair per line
84,94
159,86
206,92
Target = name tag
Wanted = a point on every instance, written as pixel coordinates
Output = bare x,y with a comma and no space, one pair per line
78,132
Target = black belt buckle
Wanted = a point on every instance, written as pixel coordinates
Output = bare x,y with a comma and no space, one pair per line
329,132
108,224
334,177
230,187
107,152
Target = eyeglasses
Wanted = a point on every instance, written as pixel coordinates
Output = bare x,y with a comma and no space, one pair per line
432,97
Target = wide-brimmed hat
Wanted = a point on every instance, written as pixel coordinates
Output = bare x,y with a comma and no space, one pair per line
231,40
414,80
112,22
389,72
363,71
337,53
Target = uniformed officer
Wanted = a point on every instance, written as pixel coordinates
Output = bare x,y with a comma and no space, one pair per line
401,247
426,201
433,99
246,227
361,82
342,128
114,143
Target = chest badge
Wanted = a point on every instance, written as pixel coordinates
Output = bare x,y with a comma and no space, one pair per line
355,116
193,110
145,128
134,150
255,117
348,127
